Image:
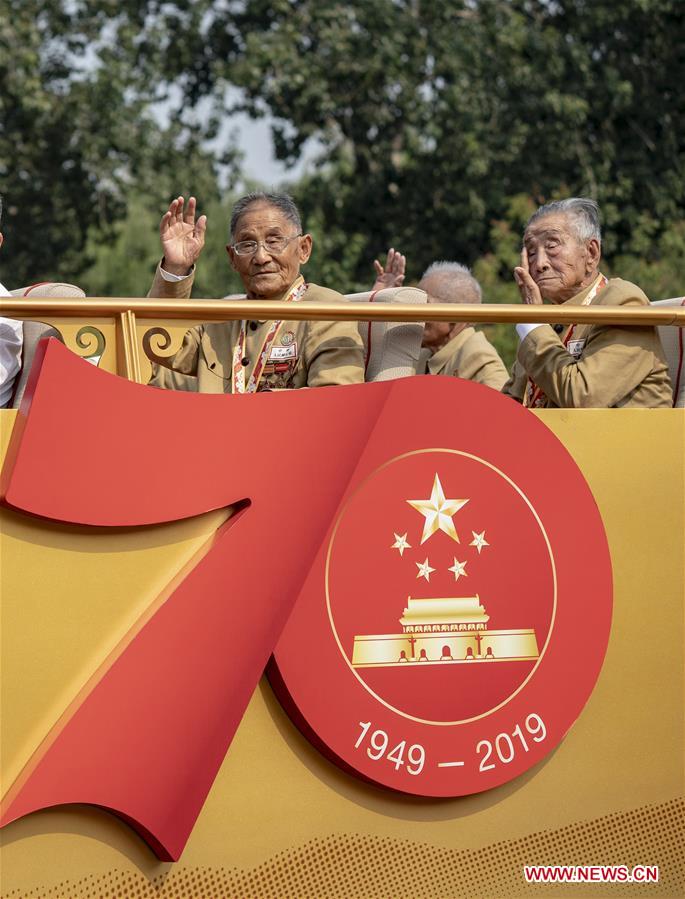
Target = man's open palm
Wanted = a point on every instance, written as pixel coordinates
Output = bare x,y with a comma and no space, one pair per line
182,236
392,275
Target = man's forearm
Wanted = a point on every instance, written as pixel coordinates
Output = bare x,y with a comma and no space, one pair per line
605,374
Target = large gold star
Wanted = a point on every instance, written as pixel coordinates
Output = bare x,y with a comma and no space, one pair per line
438,512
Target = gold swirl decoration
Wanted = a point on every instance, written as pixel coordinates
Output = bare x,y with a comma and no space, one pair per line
163,342
86,337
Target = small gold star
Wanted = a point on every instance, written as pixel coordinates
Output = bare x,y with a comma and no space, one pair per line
401,543
458,568
479,541
438,512
424,569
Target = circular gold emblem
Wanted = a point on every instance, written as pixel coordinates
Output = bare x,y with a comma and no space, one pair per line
457,612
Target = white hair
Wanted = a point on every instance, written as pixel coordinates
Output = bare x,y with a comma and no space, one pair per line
582,212
284,203
455,283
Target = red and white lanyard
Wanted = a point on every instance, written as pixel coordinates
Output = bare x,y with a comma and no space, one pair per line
238,381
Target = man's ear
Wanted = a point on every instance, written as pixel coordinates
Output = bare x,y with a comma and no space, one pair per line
305,248
1,238
594,252
231,256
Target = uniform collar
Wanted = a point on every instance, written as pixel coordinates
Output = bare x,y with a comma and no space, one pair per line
441,357
296,283
580,298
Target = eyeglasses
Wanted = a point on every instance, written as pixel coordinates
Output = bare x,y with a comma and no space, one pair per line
272,245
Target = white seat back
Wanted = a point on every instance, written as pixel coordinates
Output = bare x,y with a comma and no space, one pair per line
392,349
672,339
49,289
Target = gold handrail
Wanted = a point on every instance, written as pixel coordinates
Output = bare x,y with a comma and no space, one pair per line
221,310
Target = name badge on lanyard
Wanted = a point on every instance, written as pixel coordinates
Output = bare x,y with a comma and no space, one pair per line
283,353
575,347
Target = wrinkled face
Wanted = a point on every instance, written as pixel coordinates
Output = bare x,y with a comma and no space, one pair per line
435,334
267,275
559,264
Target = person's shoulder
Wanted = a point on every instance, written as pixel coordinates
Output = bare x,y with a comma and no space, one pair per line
213,327
478,339
479,343
317,294
465,342
215,332
622,293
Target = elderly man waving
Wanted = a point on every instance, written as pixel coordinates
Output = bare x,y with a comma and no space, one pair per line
581,366
267,250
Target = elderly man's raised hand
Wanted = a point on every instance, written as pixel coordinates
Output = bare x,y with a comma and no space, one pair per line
530,292
183,237
392,275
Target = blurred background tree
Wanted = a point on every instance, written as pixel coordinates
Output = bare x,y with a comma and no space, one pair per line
82,157
435,127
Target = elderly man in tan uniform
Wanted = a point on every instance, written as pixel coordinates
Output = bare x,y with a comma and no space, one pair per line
456,348
267,249
581,366
450,348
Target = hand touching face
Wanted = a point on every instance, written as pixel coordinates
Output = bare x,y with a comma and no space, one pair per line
530,292
554,263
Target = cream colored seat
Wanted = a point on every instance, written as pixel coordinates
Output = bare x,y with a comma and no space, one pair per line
672,339
392,349
49,289
34,331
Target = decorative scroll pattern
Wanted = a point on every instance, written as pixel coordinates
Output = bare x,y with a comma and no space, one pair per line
163,343
85,338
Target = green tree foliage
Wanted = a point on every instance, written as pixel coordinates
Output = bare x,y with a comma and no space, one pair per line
438,126
77,141
433,116
125,264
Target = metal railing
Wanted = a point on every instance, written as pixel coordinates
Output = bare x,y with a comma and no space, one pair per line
219,310
125,335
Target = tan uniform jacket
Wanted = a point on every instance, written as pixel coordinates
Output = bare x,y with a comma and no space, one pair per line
470,356
320,353
614,366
